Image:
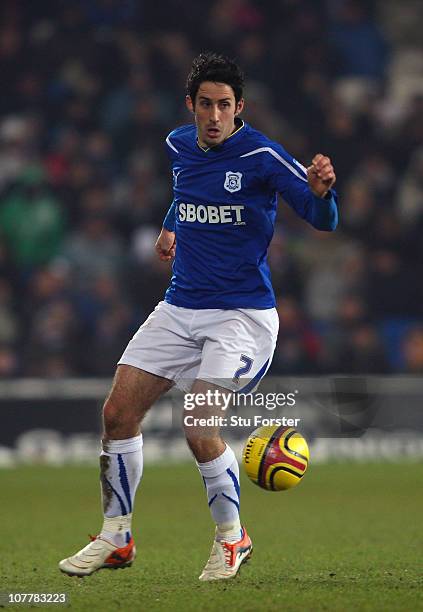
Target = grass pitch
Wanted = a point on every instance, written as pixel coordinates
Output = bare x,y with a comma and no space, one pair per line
349,537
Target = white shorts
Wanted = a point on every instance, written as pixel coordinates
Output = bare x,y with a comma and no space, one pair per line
230,348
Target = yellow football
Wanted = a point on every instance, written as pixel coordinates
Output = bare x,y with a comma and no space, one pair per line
275,458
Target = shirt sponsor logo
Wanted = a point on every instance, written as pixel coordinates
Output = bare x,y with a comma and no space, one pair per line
233,181
225,213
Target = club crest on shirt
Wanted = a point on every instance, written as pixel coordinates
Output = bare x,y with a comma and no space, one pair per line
233,181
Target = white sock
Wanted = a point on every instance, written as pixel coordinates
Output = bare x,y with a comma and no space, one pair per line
121,463
221,479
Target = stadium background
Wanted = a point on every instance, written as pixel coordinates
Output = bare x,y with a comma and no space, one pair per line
90,89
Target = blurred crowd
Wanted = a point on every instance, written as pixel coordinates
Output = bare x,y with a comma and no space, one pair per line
91,88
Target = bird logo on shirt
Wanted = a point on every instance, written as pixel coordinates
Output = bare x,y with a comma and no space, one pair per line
233,181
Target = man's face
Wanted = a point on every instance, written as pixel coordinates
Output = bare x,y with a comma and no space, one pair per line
215,110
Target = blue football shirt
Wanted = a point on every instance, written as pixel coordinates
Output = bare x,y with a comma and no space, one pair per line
223,213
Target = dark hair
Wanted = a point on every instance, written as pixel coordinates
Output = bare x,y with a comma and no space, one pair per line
216,68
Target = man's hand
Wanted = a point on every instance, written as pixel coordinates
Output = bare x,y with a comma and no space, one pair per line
166,245
320,175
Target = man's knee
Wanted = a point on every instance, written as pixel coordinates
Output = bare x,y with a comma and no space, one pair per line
133,393
119,423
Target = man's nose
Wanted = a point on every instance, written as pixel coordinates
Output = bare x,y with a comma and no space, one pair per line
214,113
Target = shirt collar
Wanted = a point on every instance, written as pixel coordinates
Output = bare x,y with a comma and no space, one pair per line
239,125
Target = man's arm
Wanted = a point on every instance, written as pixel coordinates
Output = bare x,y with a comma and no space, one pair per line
169,220
306,190
321,177
166,243
312,199
321,213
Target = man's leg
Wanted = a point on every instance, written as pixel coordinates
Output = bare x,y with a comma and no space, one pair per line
121,462
219,469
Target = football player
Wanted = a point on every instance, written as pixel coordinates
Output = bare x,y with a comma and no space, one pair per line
217,326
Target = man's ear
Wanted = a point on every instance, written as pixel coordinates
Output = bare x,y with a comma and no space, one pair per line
239,107
189,103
